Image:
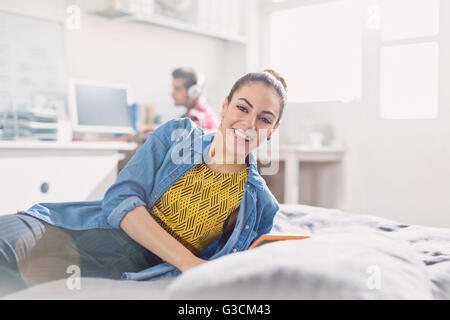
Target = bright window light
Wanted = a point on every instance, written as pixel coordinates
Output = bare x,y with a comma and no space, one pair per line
409,81
318,50
402,19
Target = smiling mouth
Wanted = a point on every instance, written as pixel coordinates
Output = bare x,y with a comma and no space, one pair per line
242,136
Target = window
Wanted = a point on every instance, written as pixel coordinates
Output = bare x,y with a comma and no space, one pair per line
318,49
409,59
409,81
403,19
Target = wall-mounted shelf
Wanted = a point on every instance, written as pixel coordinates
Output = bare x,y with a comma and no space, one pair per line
212,18
174,24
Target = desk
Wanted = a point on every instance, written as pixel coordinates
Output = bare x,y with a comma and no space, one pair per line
38,171
293,155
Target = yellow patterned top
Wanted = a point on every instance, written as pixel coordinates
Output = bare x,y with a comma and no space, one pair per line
195,207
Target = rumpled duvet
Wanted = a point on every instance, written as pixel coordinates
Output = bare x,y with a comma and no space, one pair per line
348,256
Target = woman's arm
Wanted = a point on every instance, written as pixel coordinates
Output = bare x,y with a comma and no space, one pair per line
142,228
135,182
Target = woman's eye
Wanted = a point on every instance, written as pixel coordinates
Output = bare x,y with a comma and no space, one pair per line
243,109
265,120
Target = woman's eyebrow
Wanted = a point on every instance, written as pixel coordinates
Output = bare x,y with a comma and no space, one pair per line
246,102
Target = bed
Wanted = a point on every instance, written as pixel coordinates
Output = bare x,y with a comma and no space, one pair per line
348,256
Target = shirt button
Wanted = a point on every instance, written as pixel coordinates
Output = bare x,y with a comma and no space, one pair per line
174,175
234,250
154,196
246,227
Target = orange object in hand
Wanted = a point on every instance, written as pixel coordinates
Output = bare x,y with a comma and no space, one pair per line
266,238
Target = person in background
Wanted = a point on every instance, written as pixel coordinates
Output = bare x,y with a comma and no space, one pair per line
188,91
188,86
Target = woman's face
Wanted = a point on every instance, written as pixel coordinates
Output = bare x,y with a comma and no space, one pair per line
250,118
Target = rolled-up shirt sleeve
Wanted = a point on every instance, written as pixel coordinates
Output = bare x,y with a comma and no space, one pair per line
135,181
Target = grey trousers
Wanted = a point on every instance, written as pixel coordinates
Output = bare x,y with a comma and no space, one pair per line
33,252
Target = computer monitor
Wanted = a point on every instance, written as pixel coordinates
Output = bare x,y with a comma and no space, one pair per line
100,107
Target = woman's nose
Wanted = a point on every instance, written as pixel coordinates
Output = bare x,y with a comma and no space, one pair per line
250,122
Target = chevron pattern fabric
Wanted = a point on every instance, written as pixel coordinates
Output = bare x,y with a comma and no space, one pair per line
195,207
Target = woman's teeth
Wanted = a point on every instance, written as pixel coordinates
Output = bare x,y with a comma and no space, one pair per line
241,135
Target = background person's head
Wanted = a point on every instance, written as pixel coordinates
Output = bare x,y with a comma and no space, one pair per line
252,110
185,78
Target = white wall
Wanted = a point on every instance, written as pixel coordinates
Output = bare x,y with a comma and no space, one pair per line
141,55
398,169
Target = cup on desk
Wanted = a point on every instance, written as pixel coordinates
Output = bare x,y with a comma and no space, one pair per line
316,139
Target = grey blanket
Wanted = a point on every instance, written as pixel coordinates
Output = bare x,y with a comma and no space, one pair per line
348,256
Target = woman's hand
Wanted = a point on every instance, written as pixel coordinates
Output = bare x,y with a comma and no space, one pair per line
191,263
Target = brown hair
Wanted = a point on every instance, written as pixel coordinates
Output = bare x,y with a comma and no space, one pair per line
189,75
270,78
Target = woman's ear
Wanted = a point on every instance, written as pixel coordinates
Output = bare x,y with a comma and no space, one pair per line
224,107
275,127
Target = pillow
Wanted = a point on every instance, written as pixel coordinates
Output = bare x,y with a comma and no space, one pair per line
352,263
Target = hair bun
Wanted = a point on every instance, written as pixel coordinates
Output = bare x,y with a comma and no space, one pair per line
277,76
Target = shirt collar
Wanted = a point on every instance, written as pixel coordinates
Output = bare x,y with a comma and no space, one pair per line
253,175
200,106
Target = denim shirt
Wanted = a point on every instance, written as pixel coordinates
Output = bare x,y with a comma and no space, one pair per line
170,151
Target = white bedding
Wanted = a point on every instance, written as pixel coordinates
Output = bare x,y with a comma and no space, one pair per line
349,256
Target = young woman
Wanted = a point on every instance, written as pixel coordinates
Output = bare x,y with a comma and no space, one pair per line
186,197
